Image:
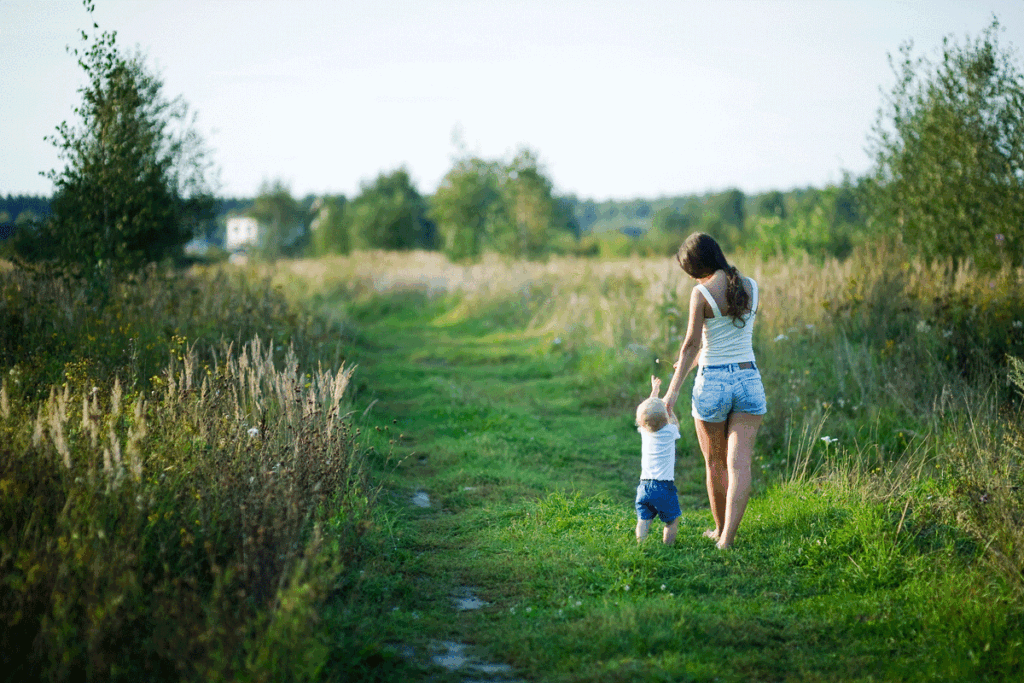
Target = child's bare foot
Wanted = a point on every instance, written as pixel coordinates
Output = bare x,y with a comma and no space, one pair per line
723,546
712,534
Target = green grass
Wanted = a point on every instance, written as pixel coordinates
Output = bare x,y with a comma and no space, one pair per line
532,488
151,533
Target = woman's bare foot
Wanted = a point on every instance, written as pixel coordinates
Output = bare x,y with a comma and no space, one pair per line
712,534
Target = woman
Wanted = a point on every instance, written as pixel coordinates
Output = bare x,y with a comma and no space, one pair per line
728,399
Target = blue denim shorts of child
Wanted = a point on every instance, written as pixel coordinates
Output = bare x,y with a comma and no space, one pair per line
657,497
723,389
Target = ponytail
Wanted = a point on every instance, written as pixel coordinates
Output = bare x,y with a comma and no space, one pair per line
737,300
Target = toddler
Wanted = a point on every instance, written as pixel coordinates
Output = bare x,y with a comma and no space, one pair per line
656,495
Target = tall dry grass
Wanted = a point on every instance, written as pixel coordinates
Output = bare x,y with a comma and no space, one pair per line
184,524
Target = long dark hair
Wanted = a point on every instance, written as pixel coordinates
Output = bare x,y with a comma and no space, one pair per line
701,256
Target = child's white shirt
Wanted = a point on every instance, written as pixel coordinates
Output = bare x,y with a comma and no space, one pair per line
658,452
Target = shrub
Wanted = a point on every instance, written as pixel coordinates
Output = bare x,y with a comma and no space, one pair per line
184,525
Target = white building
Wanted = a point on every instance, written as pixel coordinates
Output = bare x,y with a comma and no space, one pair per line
242,232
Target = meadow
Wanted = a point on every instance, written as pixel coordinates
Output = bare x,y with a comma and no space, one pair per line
302,471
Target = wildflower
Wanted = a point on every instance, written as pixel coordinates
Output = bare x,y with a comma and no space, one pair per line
558,340
627,587
781,337
923,326
662,586
529,609
253,432
946,334
1018,324
829,440
1000,238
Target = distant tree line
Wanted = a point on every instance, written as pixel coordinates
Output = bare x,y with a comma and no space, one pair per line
948,180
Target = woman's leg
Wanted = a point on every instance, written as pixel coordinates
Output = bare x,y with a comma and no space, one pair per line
713,441
741,432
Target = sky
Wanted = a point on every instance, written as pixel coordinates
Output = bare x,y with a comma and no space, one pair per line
619,100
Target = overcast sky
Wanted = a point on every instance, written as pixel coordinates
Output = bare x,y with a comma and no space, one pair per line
638,98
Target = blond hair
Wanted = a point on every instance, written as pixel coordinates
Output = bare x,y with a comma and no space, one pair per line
652,414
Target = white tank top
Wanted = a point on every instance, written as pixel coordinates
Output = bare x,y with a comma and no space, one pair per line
723,340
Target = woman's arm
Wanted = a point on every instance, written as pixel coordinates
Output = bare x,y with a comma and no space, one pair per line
690,349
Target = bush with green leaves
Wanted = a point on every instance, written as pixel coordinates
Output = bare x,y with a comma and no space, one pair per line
949,153
389,213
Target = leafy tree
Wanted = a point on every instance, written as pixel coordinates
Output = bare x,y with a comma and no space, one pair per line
282,221
134,185
730,208
822,223
530,208
949,152
389,213
670,221
507,207
330,230
772,204
465,205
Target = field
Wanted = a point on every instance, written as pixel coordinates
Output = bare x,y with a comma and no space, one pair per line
425,471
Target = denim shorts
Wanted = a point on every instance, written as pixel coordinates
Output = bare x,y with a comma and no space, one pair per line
657,497
723,389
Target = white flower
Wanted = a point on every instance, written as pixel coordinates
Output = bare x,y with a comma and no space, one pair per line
558,340
1018,324
947,333
923,326
781,337
529,609
627,587
829,440
662,586
253,432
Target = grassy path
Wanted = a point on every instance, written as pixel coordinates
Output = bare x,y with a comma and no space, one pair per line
530,485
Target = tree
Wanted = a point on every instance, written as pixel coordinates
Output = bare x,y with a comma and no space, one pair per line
530,208
389,213
949,153
283,229
330,233
669,221
772,204
134,185
507,207
464,205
